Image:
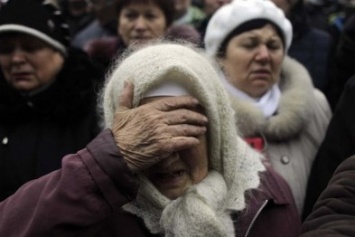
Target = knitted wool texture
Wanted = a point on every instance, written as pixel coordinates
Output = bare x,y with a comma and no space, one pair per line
229,155
199,212
232,15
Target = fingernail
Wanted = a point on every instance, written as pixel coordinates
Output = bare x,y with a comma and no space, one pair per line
195,101
125,84
205,119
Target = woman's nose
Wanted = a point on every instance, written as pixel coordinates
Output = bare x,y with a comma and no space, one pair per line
263,54
18,55
140,23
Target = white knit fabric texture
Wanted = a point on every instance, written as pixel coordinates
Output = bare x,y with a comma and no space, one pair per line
230,16
199,212
229,155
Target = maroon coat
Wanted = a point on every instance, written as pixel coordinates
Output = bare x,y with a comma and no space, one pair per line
85,197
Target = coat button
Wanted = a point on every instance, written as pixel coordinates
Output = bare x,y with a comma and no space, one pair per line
30,104
285,160
5,140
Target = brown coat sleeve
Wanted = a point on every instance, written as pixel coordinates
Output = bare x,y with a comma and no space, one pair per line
334,212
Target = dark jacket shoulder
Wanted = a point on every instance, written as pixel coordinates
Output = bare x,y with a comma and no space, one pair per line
337,145
334,212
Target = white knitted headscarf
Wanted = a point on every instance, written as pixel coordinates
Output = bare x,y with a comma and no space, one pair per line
204,208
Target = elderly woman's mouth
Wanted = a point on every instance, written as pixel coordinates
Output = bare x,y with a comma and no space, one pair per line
166,176
21,74
141,38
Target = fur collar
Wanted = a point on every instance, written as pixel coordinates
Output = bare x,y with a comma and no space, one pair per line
294,109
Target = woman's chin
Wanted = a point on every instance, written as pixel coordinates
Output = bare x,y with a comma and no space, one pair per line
138,43
173,187
259,89
174,193
24,86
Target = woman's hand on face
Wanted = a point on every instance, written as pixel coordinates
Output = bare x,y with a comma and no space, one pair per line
153,131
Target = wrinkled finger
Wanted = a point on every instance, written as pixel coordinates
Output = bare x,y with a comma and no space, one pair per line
186,130
185,116
125,100
175,102
177,144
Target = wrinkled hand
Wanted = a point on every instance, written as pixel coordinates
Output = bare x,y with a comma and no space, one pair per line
153,131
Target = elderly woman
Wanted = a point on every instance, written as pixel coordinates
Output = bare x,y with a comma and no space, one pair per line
278,110
140,22
170,163
47,94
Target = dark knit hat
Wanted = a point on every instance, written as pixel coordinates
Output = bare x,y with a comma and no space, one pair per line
36,18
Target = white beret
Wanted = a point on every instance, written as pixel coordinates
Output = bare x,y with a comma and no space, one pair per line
232,15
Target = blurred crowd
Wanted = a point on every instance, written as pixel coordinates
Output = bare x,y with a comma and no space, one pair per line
322,31
57,56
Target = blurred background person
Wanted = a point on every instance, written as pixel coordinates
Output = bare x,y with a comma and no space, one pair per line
320,12
337,19
342,62
336,15
337,146
2,3
338,142
277,109
140,22
209,7
310,46
103,25
47,93
77,13
187,14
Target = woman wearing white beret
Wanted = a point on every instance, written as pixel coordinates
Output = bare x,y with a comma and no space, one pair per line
278,110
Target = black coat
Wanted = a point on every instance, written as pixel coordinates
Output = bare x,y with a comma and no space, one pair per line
310,46
342,64
338,144
37,131
312,50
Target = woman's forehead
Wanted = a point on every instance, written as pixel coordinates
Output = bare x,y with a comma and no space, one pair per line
261,31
